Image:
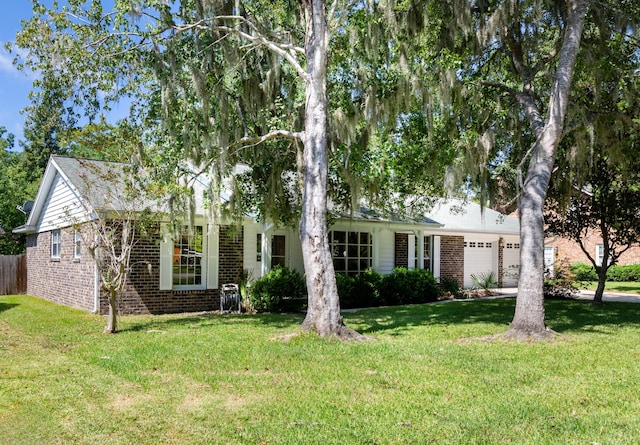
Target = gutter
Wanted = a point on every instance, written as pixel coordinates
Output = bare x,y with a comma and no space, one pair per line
96,290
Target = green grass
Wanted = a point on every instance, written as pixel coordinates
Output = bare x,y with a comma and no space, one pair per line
632,287
245,379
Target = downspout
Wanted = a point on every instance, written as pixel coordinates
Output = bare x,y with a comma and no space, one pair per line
96,290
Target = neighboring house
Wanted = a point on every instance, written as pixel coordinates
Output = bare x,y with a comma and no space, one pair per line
182,272
563,249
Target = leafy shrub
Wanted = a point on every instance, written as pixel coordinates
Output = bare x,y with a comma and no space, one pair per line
586,272
360,290
449,288
583,272
405,286
561,286
279,290
484,281
629,272
559,290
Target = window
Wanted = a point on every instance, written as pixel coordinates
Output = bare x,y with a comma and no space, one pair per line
427,252
278,251
480,244
599,254
77,245
352,252
488,245
472,244
187,257
259,247
55,243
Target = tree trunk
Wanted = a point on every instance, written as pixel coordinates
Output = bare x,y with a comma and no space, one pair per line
602,280
528,321
112,319
323,313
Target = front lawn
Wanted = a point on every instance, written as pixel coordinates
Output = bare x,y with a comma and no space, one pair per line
427,377
631,287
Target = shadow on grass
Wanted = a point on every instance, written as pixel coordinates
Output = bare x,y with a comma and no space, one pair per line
563,316
7,306
204,320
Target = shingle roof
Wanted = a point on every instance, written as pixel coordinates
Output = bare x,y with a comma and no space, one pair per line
460,216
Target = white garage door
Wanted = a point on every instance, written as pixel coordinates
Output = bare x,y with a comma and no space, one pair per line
511,264
480,257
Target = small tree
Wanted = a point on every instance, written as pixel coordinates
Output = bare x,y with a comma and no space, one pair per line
120,215
609,208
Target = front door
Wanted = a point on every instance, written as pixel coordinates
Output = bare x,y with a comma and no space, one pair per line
278,251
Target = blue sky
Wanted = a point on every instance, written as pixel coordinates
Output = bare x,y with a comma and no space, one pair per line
14,85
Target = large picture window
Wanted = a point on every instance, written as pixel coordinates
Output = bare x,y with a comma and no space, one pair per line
187,257
352,252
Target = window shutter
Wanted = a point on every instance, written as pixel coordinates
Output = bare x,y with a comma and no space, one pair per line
166,258
212,256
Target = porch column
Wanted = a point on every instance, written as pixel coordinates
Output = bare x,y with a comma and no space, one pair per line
420,236
267,231
435,261
375,235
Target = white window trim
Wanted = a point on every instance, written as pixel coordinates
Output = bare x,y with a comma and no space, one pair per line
209,262
56,240
77,245
599,254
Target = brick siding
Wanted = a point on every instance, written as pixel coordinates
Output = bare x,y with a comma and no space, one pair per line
72,283
570,250
401,256
452,258
65,280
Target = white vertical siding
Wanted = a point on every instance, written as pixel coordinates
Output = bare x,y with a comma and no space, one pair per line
386,251
62,207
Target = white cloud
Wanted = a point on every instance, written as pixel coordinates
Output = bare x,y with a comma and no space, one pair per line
7,66
6,63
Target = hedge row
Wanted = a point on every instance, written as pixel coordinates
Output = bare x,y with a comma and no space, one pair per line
586,272
284,290
402,286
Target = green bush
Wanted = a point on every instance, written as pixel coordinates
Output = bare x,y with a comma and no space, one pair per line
586,272
629,272
583,272
279,290
360,290
449,287
405,286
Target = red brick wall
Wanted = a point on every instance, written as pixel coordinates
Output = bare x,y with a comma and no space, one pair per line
401,255
452,258
571,251
71,283
66,280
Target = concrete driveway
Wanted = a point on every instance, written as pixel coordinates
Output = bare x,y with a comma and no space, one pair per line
586,295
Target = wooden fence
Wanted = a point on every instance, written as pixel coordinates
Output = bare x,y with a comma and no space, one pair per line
13,274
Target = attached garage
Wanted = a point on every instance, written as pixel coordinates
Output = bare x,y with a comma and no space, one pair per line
480,258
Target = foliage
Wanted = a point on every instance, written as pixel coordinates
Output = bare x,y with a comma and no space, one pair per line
449,287
484,281
583,271
629,272
607,206
280,290
16,189
184,378
360,290
404,286
616,273
122,214
562,286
